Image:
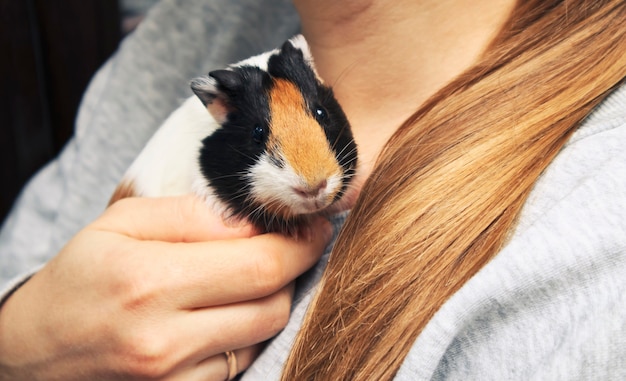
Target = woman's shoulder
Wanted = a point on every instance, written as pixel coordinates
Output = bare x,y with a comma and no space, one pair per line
550,305
609,116
589,169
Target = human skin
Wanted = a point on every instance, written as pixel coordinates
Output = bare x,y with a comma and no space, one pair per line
157,289
145,313
385,58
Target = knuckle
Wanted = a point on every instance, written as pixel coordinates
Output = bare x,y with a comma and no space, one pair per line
182,211
282,310
267,272
277,314
136,292
147,355
138,295
131,281
120,206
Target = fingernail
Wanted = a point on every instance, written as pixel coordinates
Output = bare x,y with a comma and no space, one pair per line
318,228
327,229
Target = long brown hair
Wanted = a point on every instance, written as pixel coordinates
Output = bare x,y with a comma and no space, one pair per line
448,187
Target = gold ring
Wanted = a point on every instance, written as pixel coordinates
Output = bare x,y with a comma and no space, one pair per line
231,360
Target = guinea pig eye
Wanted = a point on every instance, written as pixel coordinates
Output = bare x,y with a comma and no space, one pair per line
319,113
258,134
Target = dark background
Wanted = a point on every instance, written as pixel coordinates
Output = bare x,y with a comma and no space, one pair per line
50,50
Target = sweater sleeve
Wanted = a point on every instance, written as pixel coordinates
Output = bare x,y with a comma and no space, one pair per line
126,101
551,305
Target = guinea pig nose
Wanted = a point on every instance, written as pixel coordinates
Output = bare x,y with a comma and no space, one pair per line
307,191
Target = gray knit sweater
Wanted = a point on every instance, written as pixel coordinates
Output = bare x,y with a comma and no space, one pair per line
550,306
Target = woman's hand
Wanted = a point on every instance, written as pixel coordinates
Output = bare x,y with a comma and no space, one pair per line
154,289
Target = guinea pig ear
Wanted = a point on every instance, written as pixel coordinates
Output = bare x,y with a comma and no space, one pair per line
292,63
289,48
227,80
211,92
288,57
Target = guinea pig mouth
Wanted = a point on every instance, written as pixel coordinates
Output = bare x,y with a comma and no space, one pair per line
307,204
312,206
296,205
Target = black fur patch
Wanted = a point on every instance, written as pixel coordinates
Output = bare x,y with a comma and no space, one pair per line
232,150
290,64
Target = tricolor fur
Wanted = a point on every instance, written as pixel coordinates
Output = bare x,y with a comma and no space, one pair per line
274,147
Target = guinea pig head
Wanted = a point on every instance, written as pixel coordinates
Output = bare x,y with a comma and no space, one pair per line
284,150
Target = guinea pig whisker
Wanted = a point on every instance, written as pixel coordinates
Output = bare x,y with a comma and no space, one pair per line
239,175
344,72
350,152
237,196
226,176
341,132
343,153
243,154
258,211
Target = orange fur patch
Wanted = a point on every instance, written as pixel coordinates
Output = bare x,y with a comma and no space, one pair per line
298,136
124,189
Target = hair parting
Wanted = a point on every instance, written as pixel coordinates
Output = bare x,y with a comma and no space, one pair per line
449,185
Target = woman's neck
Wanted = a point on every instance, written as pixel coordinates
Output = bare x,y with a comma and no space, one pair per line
385,58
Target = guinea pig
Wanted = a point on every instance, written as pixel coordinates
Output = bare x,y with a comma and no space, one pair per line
263,140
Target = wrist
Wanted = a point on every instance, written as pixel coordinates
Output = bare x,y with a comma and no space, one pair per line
13,286
13,332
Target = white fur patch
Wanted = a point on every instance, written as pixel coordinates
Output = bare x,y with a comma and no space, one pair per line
272,184
299,42
261,60
168,165
206,83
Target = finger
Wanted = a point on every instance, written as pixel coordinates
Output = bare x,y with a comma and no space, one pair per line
224,272
211,331
216,367
171,219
